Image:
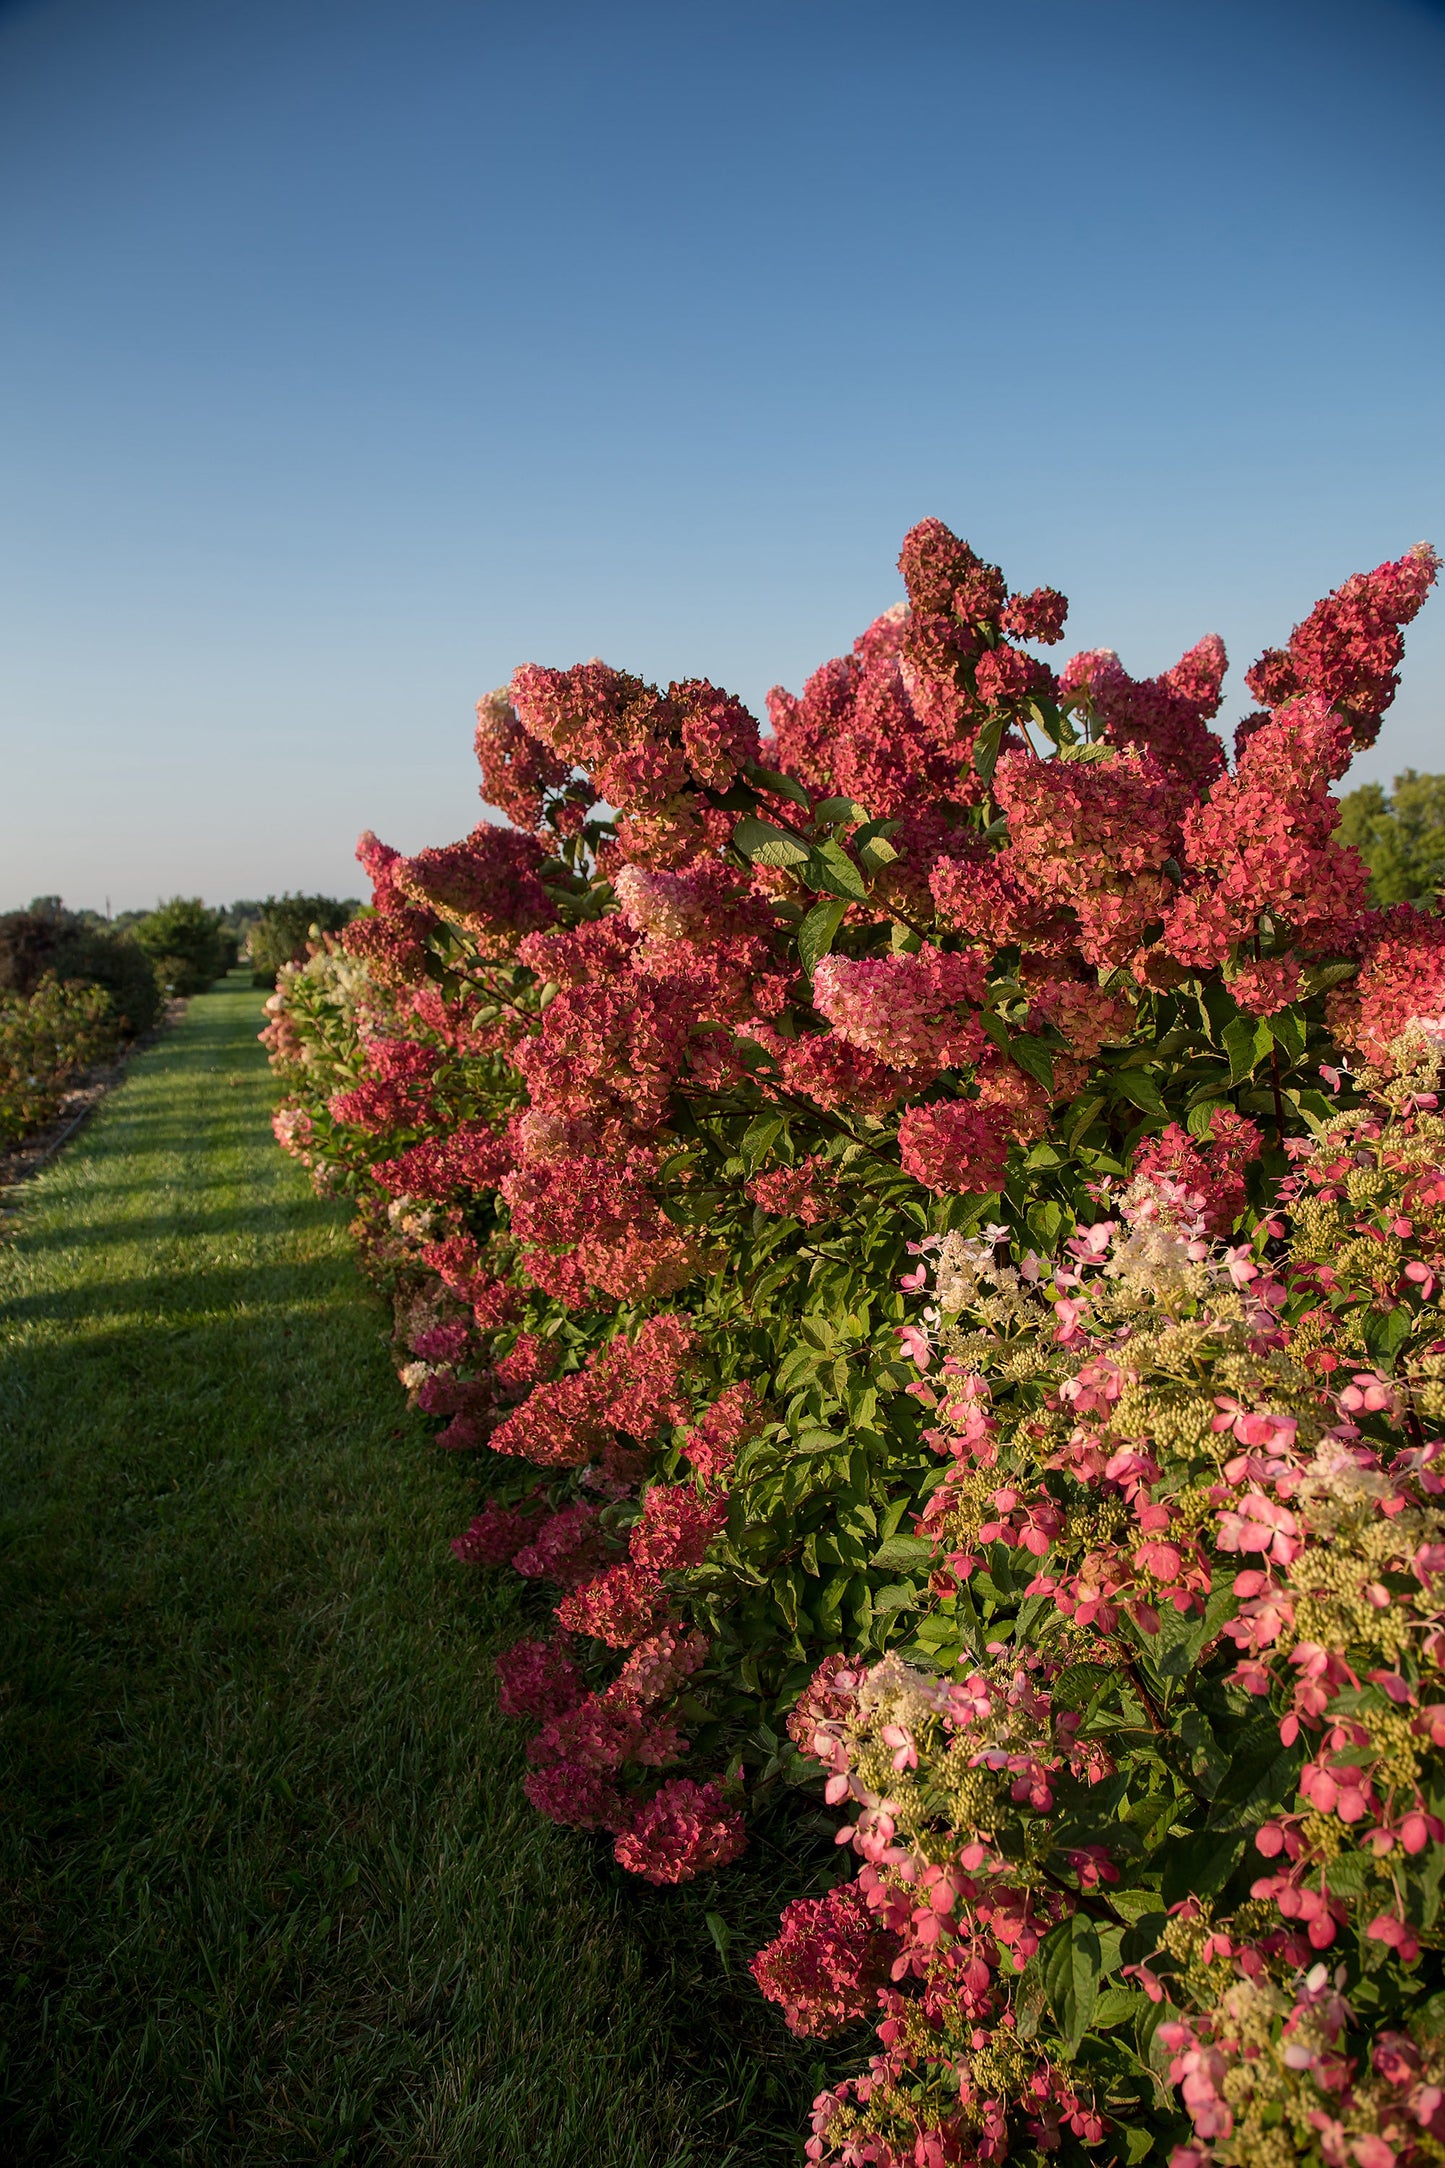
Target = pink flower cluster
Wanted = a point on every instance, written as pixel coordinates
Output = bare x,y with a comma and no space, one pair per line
676,1526
829,1961
628,1389
1348,649
905,1009
588,1739
685,1829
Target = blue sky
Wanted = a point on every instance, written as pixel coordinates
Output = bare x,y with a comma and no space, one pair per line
353,353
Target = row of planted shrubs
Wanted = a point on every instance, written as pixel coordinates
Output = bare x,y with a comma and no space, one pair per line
932,1222
74,986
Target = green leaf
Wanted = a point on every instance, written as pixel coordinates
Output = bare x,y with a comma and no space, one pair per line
1052,723
818,932
1288,1030
1140,1090
1080,1115
1320,977
900,1552
1200,1120
876,853
1247,1044
1078,1684
1200,1866
829,810
1046,1223
819,1441
1261,1774
831,869
1386,1332
1119,2006
1033,1057
996,1028
1350,1875
985,747
769,846
1029,2004
783,786
897,1596
761,1134
1070,1961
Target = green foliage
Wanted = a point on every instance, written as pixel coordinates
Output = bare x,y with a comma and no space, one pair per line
69,945
284,925
187,943
1400,837
46,1039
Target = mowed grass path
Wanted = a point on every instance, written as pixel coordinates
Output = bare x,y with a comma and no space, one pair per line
268,1887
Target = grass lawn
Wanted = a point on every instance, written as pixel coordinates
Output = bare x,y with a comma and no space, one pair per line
268,1887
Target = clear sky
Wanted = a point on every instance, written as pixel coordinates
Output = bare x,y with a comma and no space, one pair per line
353,351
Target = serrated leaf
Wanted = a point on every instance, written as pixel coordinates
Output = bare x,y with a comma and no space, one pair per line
876,853
831,869
1078,1684
1386,1333
1118,2006
1351,1874
1319,978
1083,1112
1288,1031
1261,1773
1029,2003
1054,725
900,1552
782,786
1247,1044
769,846
1200,1866
1140,1090
897,1596
761,1134
818,932
1046,1223
985,748
1033,1057
1070,1962
818,1441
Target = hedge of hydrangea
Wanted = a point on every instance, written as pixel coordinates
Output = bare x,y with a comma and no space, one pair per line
931,1222
48,1039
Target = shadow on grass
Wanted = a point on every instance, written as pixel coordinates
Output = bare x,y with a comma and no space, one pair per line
271,1888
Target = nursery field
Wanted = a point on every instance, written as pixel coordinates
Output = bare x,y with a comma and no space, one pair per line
270,1888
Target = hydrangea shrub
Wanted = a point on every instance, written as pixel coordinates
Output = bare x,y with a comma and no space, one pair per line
48,1039
930,1218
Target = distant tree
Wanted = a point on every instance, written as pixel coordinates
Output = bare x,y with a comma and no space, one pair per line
1401,837
75,945
286,924
239,919
187,943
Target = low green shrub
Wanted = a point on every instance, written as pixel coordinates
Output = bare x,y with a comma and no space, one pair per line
47,1038
48,940
188,944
